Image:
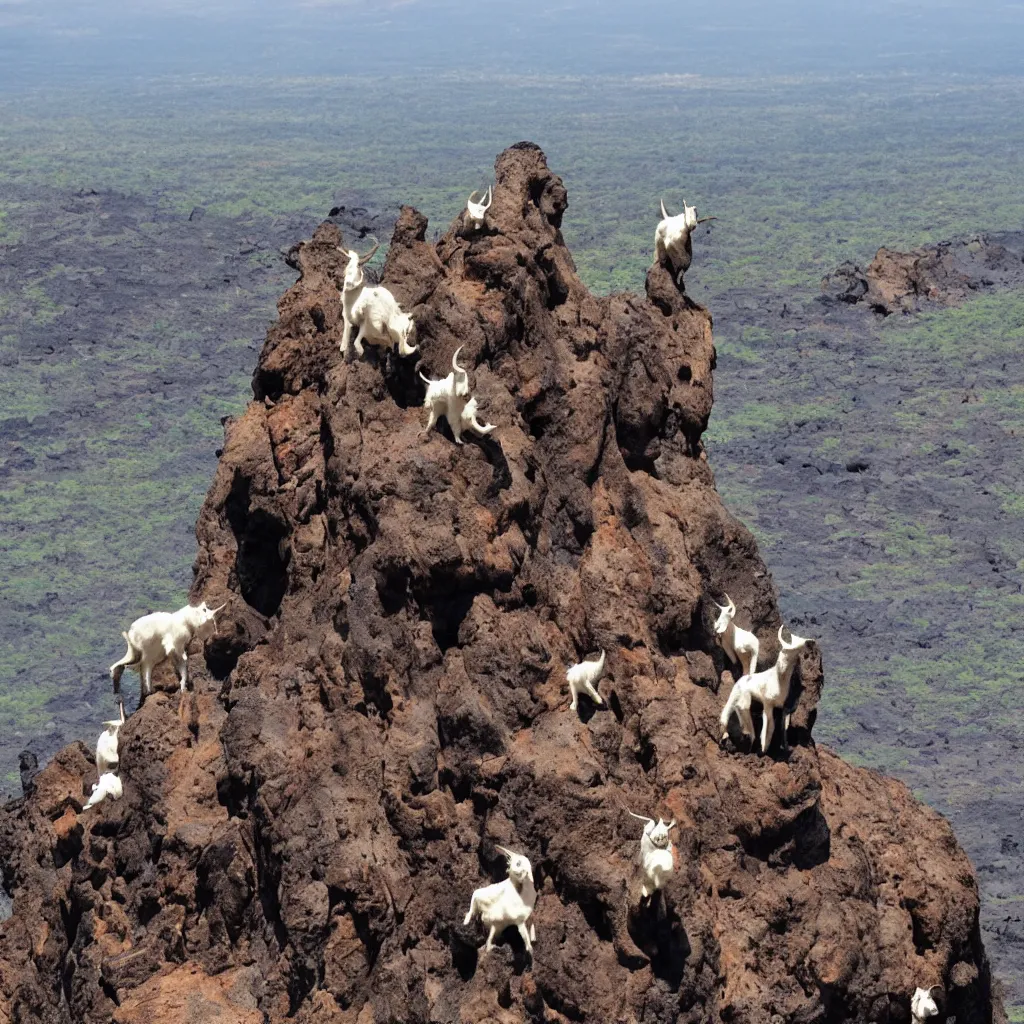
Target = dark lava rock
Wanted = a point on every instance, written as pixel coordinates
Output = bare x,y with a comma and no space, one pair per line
299,835
357,220
938,275
28,765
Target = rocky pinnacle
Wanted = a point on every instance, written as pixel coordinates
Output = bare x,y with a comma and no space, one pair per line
386,703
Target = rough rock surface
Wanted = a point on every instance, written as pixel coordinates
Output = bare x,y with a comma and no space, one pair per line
300,833
939,275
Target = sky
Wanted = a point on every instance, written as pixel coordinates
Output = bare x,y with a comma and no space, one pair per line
61,40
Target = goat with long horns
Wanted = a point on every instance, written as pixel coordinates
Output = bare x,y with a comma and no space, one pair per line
449,397
739,644
509,902
770,688
476,209
672,244
372,310
160,636
656,860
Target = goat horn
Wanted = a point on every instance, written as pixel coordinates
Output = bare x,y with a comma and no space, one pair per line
472,194
490,196
703,220
369,256
791,645
218,609
640,817
671,824
508,853
664,212
455,361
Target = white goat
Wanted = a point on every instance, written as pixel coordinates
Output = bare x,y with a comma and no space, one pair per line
739,645
107,785
672,243
922,1006
655,854
770,687
509,902
444,394
161,635
107,756
374,311
449,397
468,421
585,676
476,209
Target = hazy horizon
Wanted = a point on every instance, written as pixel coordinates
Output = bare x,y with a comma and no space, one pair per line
57,41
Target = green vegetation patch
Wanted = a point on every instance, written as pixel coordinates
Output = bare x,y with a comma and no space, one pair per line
985,327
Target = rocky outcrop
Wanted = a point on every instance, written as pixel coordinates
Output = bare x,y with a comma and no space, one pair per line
939,275
300,834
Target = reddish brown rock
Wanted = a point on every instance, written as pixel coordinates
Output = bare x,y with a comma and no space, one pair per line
944,274
299,837
900,282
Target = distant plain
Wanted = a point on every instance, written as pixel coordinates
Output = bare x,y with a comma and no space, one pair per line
140,237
